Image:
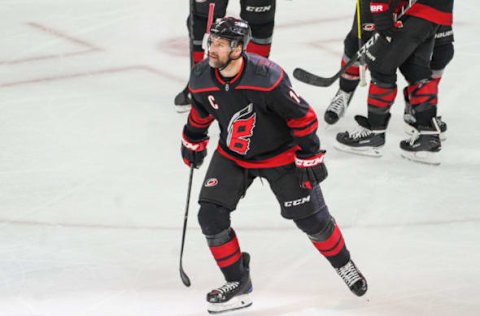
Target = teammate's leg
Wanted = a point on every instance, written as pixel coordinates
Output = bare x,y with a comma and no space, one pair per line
197,25
260,15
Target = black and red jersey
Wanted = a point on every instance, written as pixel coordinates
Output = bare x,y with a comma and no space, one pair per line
436,11
262,120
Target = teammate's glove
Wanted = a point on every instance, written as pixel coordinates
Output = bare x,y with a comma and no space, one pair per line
194,151
310,169
383,19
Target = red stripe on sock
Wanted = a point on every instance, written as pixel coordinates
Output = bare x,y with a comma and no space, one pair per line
225,250
262,50
197,56
229,261
330,242
335,250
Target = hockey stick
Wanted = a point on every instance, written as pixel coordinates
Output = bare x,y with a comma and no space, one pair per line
181,100
183,275
362,66
211,11
312,79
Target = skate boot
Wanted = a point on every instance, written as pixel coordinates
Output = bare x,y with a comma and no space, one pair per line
408,116
409,119
363,141
182,101
232,295
424,145
355,280
337,106
410,129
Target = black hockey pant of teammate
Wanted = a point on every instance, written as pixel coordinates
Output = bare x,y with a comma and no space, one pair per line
410,50
443,52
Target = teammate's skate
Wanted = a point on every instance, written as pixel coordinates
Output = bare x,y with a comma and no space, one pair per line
409,119
354,279
337,106
232,295
424,145
363,141
182,101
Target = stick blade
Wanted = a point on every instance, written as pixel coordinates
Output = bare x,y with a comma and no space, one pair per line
184,277
311,79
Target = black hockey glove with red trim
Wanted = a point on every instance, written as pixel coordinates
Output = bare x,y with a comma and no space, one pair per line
310,169
194,151
383,18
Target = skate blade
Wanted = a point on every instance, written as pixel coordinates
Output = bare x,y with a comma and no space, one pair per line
183,108
409,130
235,303
363,151
425,157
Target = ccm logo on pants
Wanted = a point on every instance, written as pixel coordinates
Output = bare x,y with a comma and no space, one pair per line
297,202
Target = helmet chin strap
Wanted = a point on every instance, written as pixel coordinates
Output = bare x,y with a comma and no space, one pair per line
229,60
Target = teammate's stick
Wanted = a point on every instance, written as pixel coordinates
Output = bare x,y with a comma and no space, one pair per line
180,99
315,80
211,10
362,66
183,275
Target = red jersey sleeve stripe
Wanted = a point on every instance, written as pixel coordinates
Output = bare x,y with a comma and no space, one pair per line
196,119
303,121
306,131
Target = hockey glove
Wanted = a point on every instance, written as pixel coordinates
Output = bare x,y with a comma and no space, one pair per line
310,169
383,19
194,151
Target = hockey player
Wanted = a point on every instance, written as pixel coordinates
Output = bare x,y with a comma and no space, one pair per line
407,46
266,130
442,55
260,14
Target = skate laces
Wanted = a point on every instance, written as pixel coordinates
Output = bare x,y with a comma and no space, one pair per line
339,102
360,133
227,287
349,274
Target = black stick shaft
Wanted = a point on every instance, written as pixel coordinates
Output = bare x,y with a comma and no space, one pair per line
183,275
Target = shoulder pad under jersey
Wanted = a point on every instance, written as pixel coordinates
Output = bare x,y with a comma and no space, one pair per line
261,74
200,78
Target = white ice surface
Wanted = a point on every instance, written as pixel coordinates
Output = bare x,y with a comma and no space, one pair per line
92,187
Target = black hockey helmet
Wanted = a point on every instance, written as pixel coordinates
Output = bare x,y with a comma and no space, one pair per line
235,30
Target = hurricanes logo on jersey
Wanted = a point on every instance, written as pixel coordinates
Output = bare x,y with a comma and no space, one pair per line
211,182
240,129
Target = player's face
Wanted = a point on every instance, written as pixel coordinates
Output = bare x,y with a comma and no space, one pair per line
219,52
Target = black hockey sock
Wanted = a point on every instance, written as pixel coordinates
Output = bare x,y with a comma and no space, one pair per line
226,251
348,85
331,245
423,98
